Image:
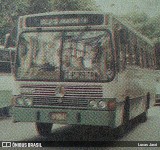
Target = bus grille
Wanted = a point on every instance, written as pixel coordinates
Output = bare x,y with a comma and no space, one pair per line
75,96
53,101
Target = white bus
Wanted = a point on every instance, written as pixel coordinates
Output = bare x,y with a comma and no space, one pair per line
6,80
81,68
157,74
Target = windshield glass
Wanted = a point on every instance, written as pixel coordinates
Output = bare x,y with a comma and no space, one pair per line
38,56
65,56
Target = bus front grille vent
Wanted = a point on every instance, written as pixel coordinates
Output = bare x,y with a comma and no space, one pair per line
75,96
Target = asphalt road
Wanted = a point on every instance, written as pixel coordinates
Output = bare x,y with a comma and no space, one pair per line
148,131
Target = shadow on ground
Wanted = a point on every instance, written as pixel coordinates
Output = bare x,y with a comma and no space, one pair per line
83,133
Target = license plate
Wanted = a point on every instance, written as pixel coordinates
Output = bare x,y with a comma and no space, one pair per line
58,116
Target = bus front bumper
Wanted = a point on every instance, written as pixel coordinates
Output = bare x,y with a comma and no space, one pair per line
64,116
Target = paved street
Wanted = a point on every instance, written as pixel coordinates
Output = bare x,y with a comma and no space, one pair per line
26,131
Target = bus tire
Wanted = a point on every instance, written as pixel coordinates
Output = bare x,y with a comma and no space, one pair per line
148,101
120,131
126,114
44,129
144,115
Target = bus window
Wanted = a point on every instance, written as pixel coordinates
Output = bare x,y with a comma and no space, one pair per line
123,36
145,59
150,57
87,56
137,55
39,52
123,48
142,57
122,57
77,55
129,55
157,56
5,66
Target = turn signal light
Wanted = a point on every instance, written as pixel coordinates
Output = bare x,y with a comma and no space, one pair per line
111,105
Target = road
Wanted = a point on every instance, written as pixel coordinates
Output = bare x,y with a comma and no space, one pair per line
147,131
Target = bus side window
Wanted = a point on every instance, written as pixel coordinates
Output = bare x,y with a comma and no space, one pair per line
129,54
122,57
117,48
123,48
123,37
5,66
157,56
136,53
150,56
142,58
133,43
147,60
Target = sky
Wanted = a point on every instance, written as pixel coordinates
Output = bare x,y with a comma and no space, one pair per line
119,7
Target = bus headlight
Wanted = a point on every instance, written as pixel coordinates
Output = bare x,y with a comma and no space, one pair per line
102,104
28,102
93,104
19,101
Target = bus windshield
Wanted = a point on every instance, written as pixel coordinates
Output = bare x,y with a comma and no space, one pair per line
65,56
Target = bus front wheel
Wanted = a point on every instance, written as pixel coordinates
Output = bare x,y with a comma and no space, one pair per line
120,131
44,129
144,115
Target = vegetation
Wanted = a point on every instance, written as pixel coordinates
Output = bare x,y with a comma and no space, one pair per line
11,9
73,5
148,26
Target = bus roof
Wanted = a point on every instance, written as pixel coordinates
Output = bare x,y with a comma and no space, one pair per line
126,24
64,12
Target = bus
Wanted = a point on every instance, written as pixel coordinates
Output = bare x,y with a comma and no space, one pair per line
81,68
6,80
157,55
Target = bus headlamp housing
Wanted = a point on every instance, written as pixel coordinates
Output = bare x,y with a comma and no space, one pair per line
28,102
102,104
23,102
93,104
20,102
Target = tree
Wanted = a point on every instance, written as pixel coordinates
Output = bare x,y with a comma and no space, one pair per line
9,12
38,6
151,27
74,5
147,26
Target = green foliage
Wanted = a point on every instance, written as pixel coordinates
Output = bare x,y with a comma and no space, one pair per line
10,10
136,18
38,6
73,5
144,24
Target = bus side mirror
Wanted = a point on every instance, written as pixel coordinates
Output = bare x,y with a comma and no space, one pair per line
7,42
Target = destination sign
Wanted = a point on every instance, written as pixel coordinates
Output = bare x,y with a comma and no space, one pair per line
65,20
57,21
